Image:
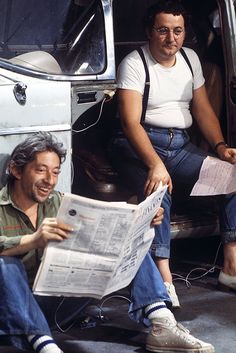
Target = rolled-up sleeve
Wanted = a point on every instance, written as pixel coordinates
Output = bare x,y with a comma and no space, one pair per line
9,242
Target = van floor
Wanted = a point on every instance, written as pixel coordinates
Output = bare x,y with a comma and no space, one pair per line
205,310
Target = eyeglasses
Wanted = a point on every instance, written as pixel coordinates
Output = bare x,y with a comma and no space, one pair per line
164,31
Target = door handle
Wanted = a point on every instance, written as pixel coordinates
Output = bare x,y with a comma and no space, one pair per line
19,92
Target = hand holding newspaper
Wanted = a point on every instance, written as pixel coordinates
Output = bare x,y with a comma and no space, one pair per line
216,177
104,252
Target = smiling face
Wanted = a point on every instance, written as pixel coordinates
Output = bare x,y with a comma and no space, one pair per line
166,36
38,178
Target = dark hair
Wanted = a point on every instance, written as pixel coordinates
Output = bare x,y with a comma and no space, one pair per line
25,151
174,7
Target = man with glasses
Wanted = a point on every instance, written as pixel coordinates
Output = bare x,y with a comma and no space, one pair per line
154,97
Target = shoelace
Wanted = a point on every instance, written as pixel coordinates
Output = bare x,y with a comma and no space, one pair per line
184,333
182,328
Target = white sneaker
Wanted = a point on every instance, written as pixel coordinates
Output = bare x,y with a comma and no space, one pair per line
168,336
172,294
227,282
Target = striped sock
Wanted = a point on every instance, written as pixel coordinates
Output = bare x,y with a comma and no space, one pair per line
156,310
43,344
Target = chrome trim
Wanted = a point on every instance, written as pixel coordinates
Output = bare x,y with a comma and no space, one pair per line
232,28
95,87
229,33
32,129
109,73
9,78
184,229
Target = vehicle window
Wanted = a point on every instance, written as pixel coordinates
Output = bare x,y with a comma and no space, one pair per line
72,32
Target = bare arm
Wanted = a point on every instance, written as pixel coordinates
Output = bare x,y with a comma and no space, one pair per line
209,124
48,230
130,109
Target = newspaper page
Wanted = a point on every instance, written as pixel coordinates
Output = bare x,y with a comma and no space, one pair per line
103,254
216,177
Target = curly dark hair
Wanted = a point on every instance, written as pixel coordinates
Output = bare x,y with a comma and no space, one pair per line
25,151
174,7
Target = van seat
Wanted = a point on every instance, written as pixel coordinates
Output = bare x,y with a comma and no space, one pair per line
37,60
214,85
214,88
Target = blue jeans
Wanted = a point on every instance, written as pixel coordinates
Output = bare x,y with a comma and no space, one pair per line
183,160
146,288
20,314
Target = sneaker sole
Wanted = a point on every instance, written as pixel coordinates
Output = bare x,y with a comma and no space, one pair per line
179,350
225,288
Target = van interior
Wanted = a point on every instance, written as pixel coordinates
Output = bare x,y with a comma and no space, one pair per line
94,175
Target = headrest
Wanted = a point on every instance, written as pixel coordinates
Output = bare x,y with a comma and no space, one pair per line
39,61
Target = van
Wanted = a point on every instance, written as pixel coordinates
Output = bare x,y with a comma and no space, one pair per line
56,62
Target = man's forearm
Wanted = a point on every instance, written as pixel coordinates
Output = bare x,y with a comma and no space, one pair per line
212,131
139,139
18,245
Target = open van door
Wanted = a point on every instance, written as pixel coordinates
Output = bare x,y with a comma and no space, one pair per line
211,33
56,61
227,26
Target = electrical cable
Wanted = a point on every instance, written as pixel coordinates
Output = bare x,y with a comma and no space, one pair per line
100,313
101,317
95,123
56,321
187,279
78,312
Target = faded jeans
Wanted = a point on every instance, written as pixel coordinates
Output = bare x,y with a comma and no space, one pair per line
183,161
20,314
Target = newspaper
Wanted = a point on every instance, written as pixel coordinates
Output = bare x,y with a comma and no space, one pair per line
108,244
216,177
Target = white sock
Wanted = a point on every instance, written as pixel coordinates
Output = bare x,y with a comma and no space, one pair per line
43,344
156,310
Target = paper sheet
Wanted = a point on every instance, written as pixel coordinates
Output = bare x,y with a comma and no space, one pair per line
216,177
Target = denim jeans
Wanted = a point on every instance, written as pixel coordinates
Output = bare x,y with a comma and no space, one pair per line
20,314
146,288
183,161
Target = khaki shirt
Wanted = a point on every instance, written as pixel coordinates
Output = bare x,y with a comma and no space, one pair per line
14,224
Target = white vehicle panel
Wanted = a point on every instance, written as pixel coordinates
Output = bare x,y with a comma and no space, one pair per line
47,108
47,102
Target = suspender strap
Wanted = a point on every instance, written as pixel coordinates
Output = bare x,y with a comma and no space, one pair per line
186,59
147,79
147,85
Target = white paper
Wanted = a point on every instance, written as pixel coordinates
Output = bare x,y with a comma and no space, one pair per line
216,177
107,246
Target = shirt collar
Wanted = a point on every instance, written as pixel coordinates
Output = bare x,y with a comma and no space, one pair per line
5,198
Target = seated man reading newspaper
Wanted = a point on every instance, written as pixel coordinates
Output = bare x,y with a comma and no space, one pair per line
28,207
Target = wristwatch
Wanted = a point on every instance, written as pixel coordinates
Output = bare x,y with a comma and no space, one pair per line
221,143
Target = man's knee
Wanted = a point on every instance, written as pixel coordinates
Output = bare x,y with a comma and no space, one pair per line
11,268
